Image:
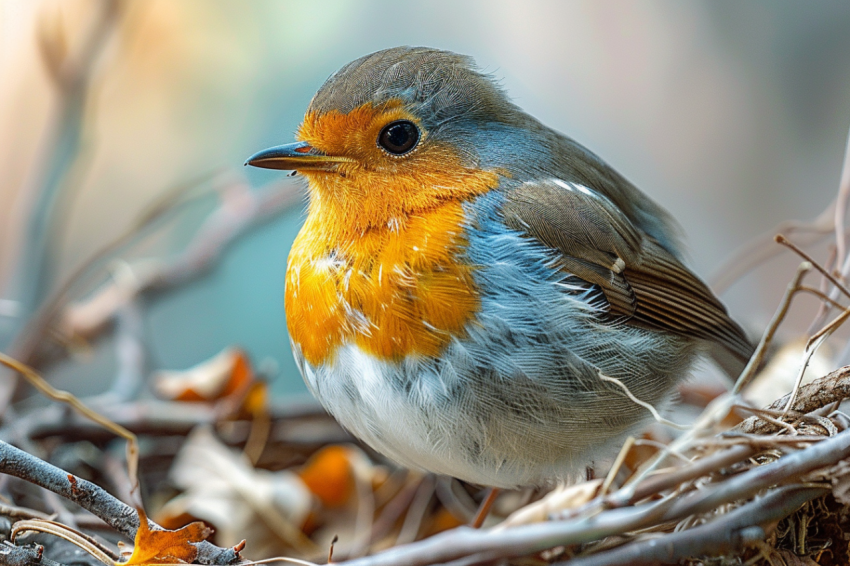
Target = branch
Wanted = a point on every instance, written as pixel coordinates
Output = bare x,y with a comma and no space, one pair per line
461,543
60,151
94,499
12,555
726,534
241,210
819,393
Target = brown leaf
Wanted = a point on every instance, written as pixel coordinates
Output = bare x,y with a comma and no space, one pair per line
166,547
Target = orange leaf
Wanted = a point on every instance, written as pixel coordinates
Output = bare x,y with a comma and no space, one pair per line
226,374
166,547
329,476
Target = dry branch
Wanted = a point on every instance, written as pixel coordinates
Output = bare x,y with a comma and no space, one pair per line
725,534
819,393
13,555
470,546
94,499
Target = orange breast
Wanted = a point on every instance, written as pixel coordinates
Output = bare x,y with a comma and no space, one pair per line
394,291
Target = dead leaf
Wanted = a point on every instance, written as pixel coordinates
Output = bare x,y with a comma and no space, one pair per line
562,498
225,374
329,475
166,547
223,488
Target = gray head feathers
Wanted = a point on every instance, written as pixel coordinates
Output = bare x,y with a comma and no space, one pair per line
436,85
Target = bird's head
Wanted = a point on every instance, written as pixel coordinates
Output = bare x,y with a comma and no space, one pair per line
399,131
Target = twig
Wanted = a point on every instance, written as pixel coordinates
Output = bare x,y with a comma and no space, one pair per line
241,210
828,389
618,463
522,540
416,511
13,555
397,506
780,239
841,201
703,466
761,249
761,350
27,342
765,415
295,422
828,301
59,152
723,535
749,483
21,512
64,397
93,498
59,530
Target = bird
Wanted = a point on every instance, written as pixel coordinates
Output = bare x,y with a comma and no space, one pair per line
473,293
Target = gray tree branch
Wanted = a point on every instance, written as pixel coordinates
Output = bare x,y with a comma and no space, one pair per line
94,499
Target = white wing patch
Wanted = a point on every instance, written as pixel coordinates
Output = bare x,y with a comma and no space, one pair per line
574,187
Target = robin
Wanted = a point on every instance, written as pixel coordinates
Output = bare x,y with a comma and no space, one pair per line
466,278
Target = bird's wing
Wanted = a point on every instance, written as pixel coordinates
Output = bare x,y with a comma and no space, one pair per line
643,282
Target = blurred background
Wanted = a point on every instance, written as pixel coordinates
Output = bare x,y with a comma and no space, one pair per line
732,115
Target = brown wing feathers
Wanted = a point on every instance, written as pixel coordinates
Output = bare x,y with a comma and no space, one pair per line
641,280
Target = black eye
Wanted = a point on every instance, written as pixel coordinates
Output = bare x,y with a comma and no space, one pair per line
399,137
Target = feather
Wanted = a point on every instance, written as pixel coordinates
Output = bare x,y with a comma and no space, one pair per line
641,280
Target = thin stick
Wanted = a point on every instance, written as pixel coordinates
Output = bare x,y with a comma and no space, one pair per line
780,239
831,388
267,561
95,499
841,206
484,510
757,358
831,327
822,296
760,249
618,463
824,309
64,397
63,532
27,341
764,415
723,535
811,347
416,513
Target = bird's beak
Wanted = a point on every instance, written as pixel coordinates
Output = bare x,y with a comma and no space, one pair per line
298,156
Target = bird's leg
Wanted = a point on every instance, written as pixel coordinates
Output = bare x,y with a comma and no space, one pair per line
484,508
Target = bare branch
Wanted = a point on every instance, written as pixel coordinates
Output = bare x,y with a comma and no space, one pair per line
522,540
94,499
819,393
725,534
13,555
761,350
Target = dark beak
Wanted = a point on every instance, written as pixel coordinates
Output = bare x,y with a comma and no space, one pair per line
298,156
